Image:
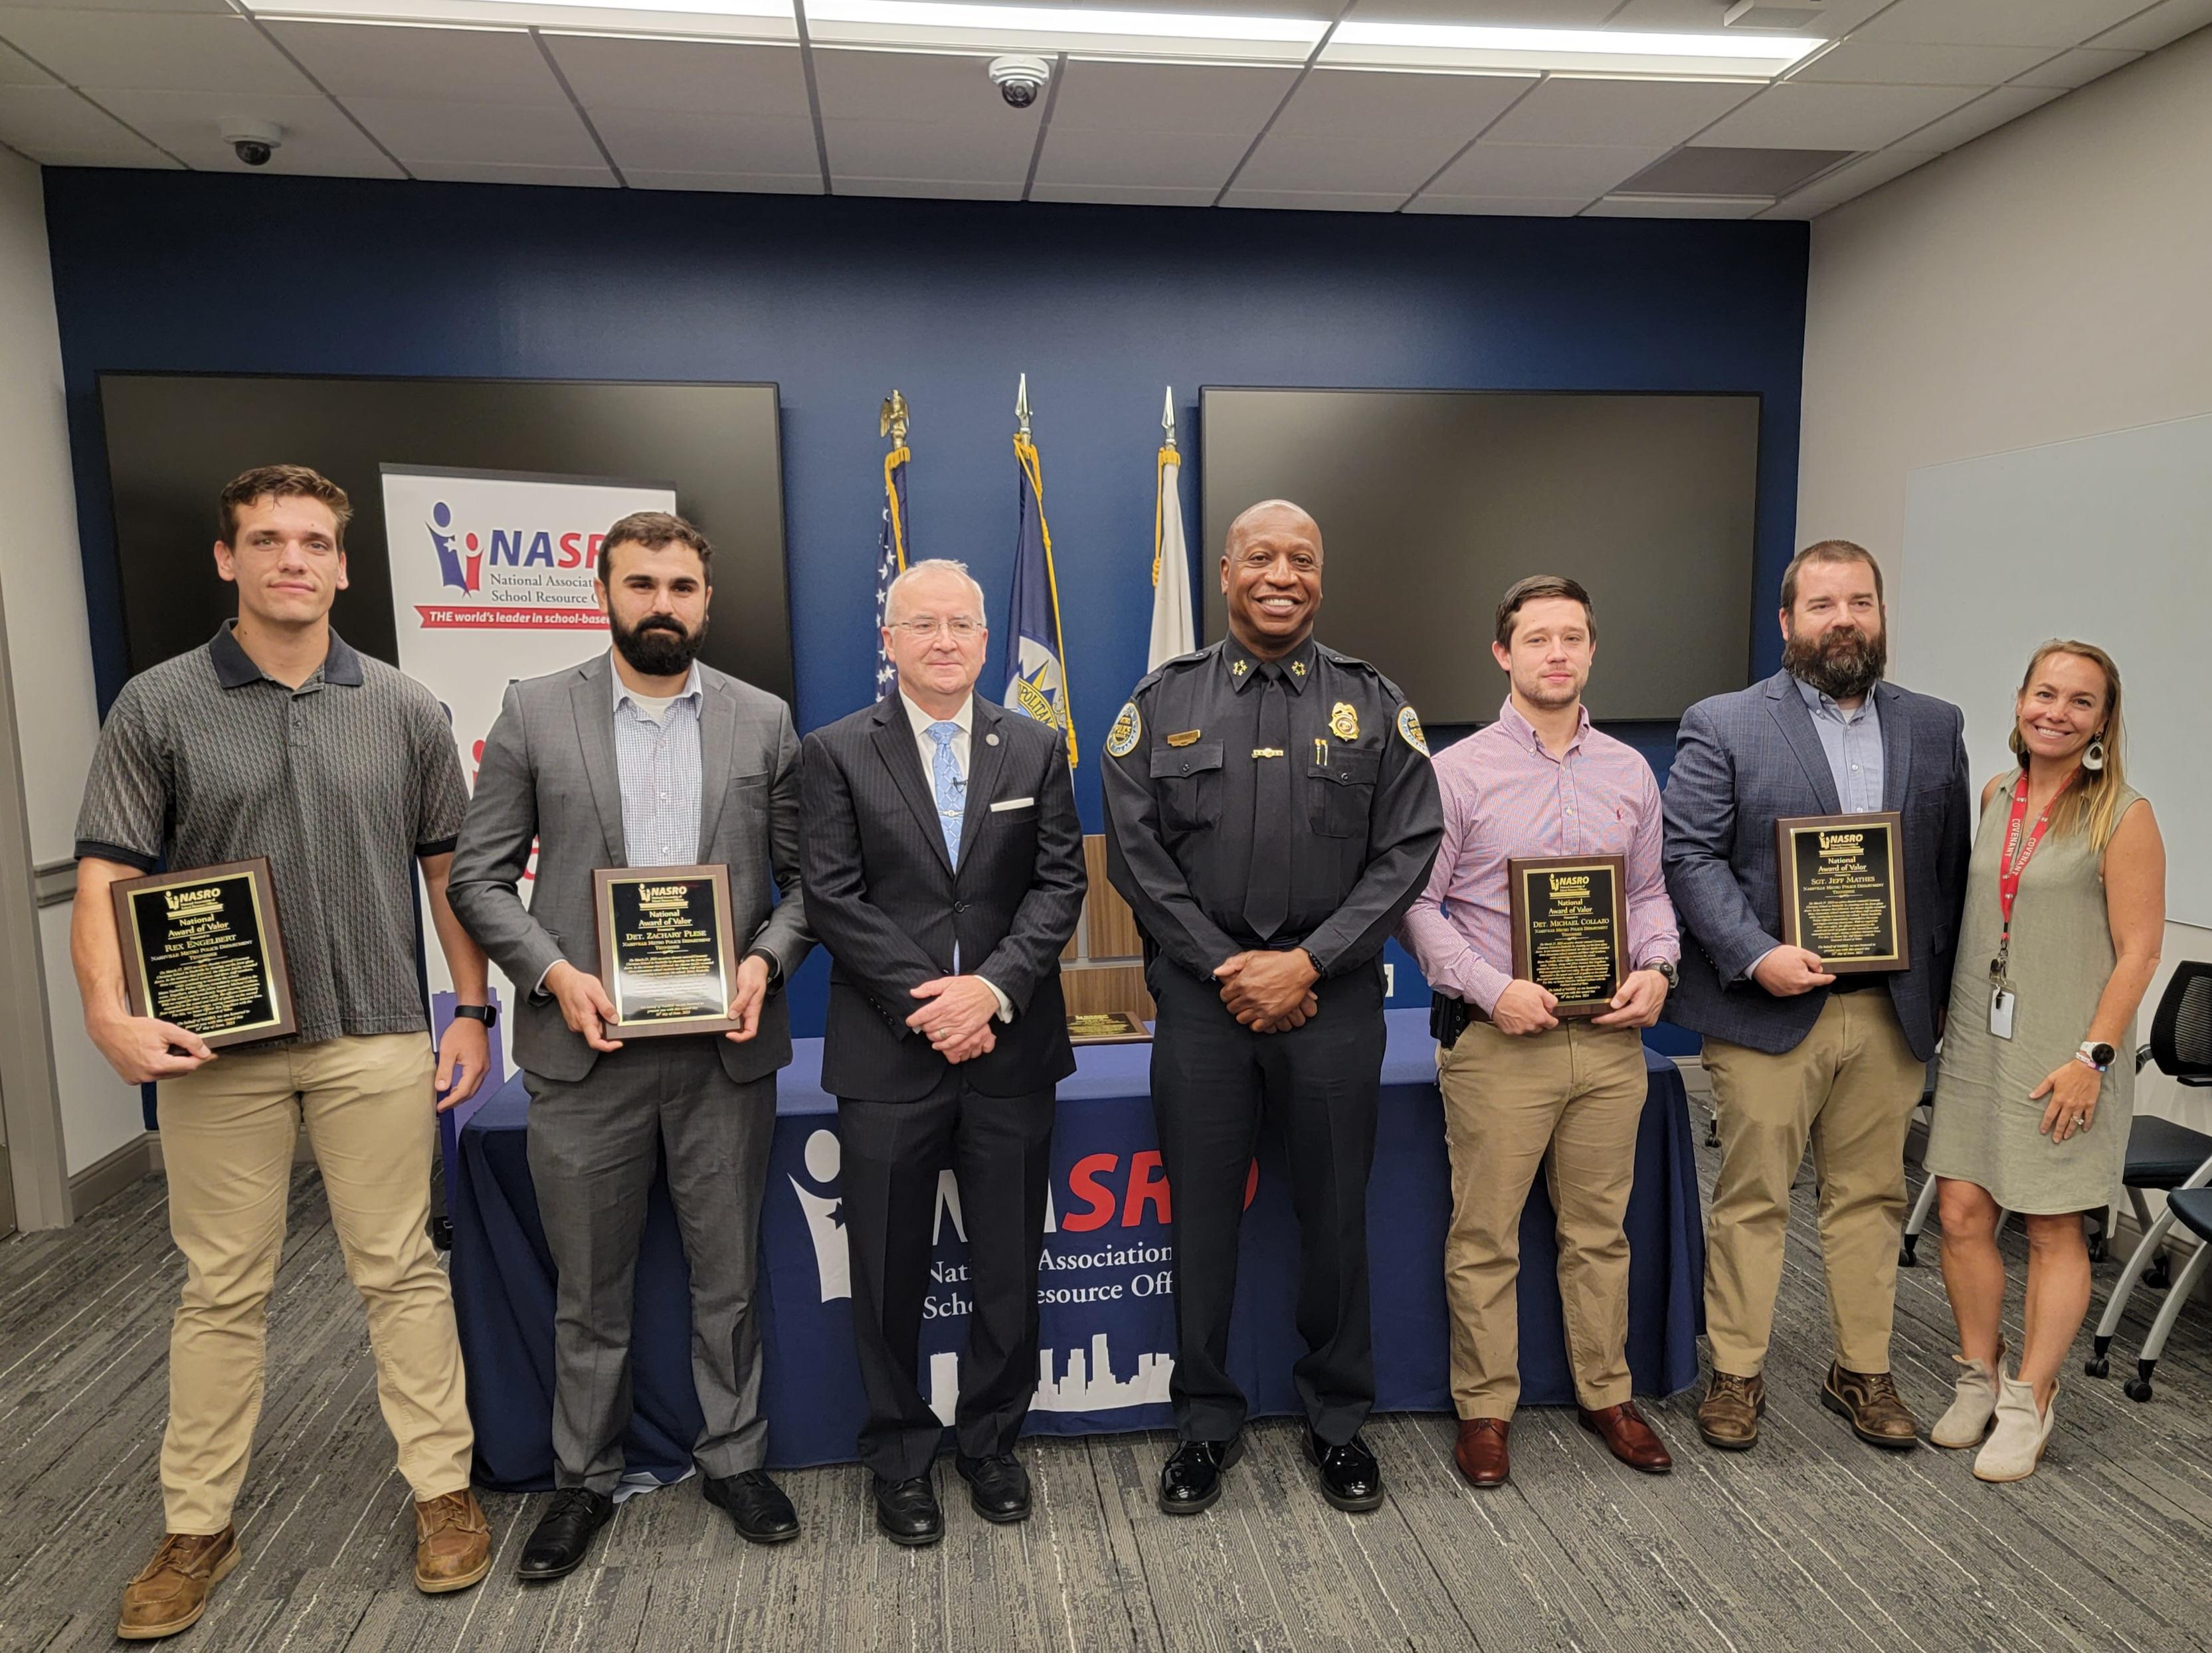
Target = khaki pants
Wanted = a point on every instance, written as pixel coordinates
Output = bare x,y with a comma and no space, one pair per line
1569,1099
1851,1087
227,1137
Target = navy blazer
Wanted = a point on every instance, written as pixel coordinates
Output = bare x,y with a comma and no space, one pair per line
1742,761
883,897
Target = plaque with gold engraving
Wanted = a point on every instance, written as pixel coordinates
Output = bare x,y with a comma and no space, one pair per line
202,950
667,958
1107,1027
1843,890
1570,916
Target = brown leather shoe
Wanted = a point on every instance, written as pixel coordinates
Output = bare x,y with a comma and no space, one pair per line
171,1591
453,1543
1876,1412
1729,1415
1628,1437
1481,1454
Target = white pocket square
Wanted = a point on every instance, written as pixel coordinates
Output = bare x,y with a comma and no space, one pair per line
1012,803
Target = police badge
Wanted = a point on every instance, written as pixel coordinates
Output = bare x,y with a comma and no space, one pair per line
1344,721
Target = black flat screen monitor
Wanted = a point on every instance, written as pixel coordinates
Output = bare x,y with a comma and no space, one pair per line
1432,503
174,439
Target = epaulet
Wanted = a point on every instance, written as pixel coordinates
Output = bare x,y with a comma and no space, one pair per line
1179,663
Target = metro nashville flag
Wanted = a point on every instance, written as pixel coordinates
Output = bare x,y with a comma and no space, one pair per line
1036,673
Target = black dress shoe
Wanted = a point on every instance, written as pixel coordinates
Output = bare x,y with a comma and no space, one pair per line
1190,1480
563,1534
756,1506
998,1486
907,1510
1350,1477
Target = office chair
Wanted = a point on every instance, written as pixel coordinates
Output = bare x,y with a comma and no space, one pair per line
2164,1155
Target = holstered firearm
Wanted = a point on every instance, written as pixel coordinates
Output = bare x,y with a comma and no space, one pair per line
1447,1018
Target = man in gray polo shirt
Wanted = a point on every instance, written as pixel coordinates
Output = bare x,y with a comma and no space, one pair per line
277,739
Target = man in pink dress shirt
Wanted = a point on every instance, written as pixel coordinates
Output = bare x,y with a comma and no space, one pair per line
1518,1081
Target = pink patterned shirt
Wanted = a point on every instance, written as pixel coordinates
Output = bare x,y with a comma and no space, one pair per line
1506,796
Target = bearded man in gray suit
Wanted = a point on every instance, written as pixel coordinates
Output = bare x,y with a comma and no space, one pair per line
642,757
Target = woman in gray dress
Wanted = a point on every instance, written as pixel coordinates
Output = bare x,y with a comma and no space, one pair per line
2065,907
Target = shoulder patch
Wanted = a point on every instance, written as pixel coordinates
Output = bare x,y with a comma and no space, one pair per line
1127,728
1409,727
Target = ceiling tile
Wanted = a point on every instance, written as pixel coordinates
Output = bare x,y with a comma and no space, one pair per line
1313,200
673,140
809,183
2078,66
1542,169
1174,161
1704,16
1570,110
1123,195
222,7
1984,115
1792,116
1660,206
16,69
150,50
460,65
318,140
1322,10
912,151
1848,183
458,135
1348,131
1496,14
915,88
1132,97
1500,206
2160,26
1888,62
47,122
1997,23
716,78
483,172
936,189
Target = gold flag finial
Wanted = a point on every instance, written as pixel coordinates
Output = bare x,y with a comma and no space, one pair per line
892,422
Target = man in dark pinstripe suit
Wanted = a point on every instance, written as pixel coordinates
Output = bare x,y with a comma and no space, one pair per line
943,862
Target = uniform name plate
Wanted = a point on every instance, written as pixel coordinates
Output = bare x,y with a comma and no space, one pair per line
1106,1027
202,950
1570,916
1843,890
666,956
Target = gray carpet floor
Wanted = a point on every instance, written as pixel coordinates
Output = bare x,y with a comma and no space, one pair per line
1812,1541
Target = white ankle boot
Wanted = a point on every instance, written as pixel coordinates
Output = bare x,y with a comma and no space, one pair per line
2016,1444
1974,1404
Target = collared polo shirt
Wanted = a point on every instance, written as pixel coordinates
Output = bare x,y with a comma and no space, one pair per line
342,783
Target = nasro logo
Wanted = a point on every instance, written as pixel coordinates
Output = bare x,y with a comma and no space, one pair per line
462,552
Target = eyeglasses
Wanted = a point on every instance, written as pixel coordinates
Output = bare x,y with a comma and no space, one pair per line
959,628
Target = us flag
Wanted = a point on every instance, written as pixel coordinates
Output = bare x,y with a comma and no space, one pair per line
890,558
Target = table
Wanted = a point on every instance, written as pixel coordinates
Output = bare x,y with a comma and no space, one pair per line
1107,1313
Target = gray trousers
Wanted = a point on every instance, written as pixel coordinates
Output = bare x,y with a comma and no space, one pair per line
594,1144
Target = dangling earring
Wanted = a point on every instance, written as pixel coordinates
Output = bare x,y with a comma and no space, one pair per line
2093,759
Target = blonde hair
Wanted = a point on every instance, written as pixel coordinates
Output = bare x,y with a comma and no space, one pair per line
2089,805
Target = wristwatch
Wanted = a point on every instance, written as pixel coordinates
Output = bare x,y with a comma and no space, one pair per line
2096,1054
1666,968
488,1014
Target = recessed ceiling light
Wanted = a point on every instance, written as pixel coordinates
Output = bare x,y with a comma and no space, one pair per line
1621,51
1066,19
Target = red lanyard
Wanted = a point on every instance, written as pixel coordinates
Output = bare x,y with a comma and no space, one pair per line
2016,858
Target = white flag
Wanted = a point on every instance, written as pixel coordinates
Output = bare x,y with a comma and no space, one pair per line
1172,632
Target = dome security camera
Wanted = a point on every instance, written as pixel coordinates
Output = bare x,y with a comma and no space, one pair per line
254,141
1020,79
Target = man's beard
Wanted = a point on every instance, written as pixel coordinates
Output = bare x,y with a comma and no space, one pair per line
659,647
1541,694
1843,662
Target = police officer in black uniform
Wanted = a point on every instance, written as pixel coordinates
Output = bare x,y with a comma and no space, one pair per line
1270,814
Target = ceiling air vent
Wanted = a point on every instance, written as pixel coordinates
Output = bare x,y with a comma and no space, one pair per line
1732,174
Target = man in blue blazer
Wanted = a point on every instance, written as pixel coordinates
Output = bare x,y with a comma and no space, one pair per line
1793,1050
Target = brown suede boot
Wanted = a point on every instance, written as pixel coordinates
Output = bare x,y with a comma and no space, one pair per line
1729,1415
453,1543
171,1591
1869,1402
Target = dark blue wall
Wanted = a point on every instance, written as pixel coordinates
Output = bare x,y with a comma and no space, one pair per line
837,301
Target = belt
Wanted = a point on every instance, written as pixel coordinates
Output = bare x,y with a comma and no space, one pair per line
1858,981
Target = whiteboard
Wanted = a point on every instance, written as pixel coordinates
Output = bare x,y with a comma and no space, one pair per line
2107,539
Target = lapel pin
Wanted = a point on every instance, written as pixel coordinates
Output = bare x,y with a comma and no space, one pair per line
990,740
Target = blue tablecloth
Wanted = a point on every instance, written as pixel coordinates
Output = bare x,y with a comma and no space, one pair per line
1107,1314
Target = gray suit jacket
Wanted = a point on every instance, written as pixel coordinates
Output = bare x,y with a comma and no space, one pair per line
1742,761
549,774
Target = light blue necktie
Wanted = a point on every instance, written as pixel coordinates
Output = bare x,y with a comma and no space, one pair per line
944,775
